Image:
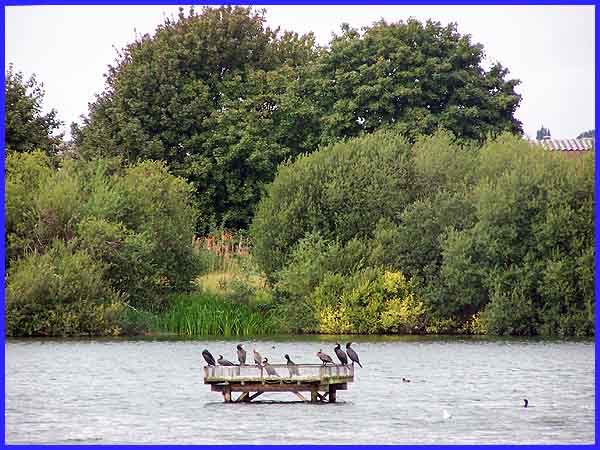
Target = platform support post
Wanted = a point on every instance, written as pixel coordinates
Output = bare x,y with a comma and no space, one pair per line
332,393
227,395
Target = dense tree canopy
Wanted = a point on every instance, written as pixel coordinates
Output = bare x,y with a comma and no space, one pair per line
26,127
209,94
223,99
415,76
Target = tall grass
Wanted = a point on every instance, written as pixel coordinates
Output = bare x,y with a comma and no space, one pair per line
205,314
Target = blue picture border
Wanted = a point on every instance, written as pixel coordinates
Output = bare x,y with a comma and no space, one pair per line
305,2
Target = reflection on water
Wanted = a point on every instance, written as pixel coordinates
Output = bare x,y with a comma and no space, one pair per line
461,390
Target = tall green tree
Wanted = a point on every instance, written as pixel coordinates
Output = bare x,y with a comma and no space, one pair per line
224,100
213,95
26,127
417,77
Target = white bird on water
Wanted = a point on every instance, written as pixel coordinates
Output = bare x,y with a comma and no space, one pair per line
447,415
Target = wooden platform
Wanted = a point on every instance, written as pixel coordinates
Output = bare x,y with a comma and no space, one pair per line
251,381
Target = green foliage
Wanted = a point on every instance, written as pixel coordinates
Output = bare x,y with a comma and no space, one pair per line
215,96
206,315
369,302
417,77
223,100
497,240
542,133
528,254
60,292
24,175
130,229
342,191
26,128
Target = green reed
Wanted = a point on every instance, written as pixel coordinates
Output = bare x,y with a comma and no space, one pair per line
204,314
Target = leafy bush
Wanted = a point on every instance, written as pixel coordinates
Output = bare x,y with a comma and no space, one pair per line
369,302
61,292
341,191
133,224
524,255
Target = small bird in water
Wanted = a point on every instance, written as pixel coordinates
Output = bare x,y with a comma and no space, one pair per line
222,361
525,403
352,354
292,366
257,358
324,357
241,354
269,369
341,354
210,360
405,380
447,415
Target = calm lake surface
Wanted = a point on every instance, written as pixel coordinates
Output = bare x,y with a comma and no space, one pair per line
142,391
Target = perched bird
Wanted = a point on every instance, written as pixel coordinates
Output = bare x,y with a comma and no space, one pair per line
341,354
257,358
269,369
324,357
210,360
222,361
352,354
405,380
525,403
292,366
241,354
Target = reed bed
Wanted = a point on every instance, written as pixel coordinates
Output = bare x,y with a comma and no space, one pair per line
204,314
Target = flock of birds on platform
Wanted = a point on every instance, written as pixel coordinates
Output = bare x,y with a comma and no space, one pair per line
324,357
264,362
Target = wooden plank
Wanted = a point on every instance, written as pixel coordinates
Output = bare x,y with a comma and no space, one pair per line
253,396
264,388
300,396
243,397
239,379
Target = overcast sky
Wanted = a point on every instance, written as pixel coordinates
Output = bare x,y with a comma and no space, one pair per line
549,48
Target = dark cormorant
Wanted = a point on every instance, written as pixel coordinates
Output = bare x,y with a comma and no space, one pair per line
241,354
324,357
341,354
292,366
352,354
526,402
257,358
269,369
224,362
210,360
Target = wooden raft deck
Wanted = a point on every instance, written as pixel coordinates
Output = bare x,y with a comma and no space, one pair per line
251,380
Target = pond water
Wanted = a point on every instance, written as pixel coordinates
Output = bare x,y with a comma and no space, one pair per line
142,391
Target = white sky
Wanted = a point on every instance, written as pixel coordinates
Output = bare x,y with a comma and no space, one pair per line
549,48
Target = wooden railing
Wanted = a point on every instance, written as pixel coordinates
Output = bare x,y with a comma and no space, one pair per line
298,372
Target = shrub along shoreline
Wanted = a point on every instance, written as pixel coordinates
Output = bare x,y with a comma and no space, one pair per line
368,236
